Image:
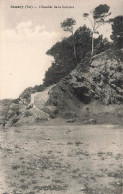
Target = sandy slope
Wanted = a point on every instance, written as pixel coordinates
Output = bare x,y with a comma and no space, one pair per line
39,99
62,159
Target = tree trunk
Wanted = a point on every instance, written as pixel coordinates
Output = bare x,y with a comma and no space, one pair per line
74,48
92,46
74,51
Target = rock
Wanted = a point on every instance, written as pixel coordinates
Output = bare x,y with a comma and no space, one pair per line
14,106
83,188
90,121
102,83
51,110
4,108
25,120
71,120
1,120
12,121
37,113
10,113
96,84
39,99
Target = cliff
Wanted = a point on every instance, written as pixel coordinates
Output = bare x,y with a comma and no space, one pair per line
76,95
101,82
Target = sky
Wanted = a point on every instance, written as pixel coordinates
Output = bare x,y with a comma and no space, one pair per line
26,34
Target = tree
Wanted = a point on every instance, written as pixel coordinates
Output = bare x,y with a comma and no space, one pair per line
67,25
117,31
64,61
82,37
99,15
63,54
101,44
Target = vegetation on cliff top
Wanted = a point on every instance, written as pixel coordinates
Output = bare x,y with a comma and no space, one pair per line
82,44
64,56
77,48
96,77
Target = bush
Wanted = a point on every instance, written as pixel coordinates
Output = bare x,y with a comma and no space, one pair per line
38,120
69,115
27,114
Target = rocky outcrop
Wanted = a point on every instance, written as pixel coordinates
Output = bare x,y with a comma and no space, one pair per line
31,111
101,82
4,108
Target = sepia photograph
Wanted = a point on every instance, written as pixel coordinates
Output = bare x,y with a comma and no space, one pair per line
61,97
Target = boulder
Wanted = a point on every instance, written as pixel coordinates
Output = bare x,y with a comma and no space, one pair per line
37,113
14,106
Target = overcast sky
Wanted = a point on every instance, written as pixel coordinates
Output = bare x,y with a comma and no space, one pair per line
26,35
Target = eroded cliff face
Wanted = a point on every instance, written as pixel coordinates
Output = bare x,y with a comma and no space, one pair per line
101,82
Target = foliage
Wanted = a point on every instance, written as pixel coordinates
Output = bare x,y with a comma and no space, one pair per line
99,15
83,42
101,44
64,55
54,74
68,24
101,12
72,50
117,31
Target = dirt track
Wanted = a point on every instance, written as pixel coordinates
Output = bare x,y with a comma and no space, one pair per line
61,159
